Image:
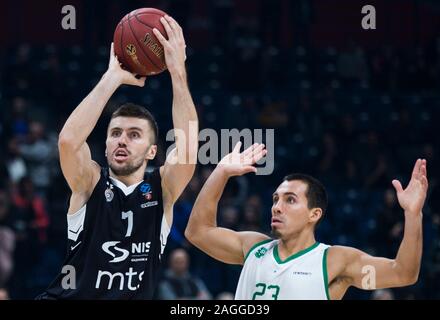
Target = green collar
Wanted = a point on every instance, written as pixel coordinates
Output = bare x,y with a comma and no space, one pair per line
293,256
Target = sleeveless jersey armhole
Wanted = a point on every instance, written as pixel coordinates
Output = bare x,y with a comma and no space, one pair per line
255,246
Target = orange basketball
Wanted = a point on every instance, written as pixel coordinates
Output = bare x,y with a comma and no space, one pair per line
135,44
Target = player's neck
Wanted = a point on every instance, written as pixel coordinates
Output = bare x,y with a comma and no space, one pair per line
293,245
131,179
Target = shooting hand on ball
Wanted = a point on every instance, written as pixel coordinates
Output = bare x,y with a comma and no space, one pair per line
174,47
122,76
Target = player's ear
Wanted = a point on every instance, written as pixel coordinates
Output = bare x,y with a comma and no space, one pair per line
315,214
105,152
151,152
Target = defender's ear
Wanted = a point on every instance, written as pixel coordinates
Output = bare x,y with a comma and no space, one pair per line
315,214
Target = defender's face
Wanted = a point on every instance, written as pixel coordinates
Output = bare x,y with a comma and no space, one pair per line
128,144
290,213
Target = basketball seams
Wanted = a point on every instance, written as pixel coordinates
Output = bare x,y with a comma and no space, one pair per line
141,22
122,46
145,13
140,46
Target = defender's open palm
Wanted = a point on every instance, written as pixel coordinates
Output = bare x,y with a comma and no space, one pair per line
413,197
237,164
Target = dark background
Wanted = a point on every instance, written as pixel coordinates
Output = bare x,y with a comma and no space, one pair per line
353,107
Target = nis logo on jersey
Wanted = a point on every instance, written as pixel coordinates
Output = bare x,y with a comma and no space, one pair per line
107,279
139,251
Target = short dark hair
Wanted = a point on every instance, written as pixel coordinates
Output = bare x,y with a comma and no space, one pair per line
136,111
316,194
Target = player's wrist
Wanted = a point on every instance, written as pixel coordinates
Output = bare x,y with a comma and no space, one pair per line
413,214
222,171
112,77
178,74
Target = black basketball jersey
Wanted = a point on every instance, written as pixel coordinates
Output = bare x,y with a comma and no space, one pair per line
115,242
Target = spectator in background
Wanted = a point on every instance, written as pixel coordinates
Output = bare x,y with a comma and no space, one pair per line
382,294
225,296
39,152
14,162
178,283
31,219
19,122
7,244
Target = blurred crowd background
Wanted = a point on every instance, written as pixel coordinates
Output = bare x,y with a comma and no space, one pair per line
354,108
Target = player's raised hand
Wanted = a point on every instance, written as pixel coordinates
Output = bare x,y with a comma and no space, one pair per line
238,163
121,75
174,47
412,198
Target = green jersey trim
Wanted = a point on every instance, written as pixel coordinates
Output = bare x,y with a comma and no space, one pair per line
255,246
294,256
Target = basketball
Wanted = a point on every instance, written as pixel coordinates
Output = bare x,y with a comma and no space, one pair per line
135,44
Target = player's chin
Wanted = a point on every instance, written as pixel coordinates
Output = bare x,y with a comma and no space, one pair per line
120,168
275,232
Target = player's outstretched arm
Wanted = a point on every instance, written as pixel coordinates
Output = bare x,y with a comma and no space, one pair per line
181,162
404,269
223,244
75,158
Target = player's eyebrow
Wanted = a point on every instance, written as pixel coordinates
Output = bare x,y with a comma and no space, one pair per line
289,193
135,128
131,128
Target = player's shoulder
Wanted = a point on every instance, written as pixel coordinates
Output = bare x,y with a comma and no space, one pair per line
251,240
342,254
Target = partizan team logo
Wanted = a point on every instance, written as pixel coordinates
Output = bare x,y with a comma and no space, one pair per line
108,193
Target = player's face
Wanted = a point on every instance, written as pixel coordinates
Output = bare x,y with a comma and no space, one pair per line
290,214
128,144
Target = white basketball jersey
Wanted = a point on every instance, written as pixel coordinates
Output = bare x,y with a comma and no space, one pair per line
302,276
